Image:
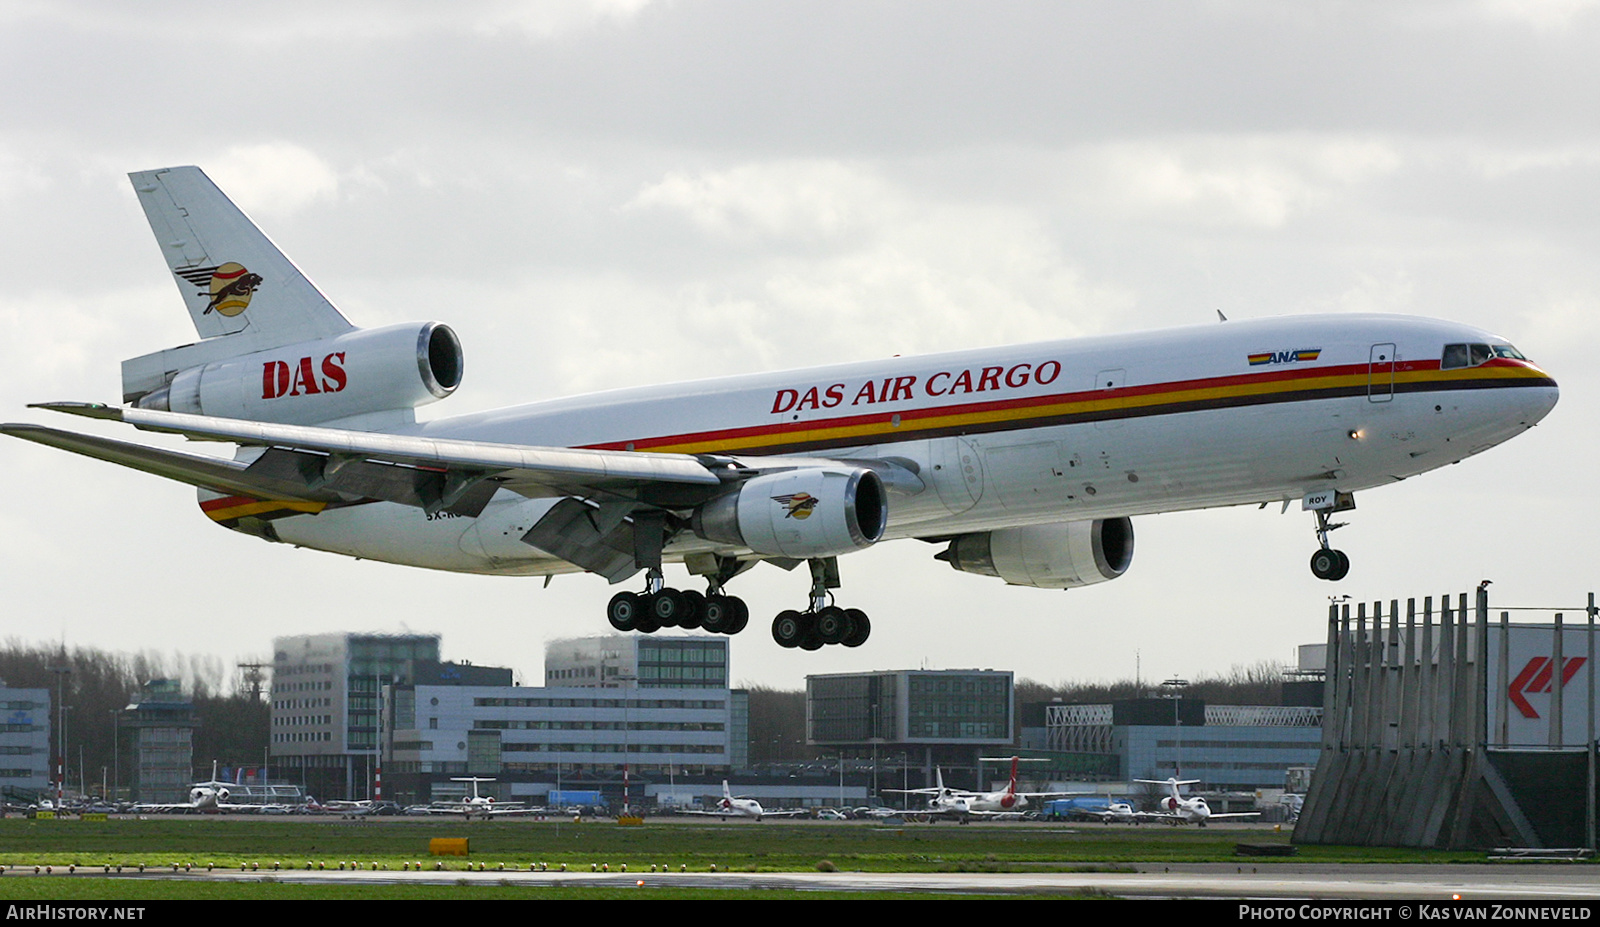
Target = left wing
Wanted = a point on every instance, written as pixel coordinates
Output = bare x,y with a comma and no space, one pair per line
311,462
309,468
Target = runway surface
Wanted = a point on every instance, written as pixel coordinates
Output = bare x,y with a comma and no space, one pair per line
1498,882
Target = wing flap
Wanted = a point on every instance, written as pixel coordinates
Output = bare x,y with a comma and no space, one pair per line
428,489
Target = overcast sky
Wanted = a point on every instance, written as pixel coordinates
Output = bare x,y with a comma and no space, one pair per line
598,194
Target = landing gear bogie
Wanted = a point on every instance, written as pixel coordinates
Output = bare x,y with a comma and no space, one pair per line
829,625
822,622
673,608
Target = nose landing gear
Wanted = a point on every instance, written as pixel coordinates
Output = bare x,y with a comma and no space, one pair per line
1328,563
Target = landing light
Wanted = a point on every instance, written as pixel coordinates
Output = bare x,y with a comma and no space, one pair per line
1355,434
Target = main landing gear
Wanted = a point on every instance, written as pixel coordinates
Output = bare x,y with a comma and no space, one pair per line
1328,563
714,611
659,607
824,622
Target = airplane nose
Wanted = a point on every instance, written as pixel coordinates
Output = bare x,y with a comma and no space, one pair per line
1542,398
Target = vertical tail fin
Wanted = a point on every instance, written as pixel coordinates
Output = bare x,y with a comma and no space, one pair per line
233,278
242,293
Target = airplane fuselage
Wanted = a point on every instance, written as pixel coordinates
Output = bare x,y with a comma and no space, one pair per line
1026,461
1107,426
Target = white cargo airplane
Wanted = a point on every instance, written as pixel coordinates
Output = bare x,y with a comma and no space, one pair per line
1025,462
1175,809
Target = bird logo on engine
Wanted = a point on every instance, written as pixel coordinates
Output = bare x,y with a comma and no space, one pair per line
797,505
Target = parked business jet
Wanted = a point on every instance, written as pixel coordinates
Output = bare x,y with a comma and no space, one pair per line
1007,801
1118,812
1025,463
1175,809
476,805
212,797
741,808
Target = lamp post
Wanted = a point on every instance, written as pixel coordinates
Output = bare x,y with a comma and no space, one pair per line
116,754
626,678
62,673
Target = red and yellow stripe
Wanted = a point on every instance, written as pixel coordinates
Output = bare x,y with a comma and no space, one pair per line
232,508
1247,389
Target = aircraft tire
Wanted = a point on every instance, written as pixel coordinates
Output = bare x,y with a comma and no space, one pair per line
718,614
789,628
1329,564
694,609
833,625
741,614
667,607
623,611
860,628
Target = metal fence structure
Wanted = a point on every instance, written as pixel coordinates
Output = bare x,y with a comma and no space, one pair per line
1407,755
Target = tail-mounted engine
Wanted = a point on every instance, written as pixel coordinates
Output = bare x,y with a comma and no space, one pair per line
368,370
1054,556
811,512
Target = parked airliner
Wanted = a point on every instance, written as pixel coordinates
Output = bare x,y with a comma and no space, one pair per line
1024,463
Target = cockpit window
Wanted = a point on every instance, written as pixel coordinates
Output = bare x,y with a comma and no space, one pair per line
1471,355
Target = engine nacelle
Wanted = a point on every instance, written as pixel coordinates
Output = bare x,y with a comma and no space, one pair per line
368,370
1054,556
812,512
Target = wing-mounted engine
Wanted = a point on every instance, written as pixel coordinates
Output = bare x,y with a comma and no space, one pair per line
801,513
397,367
1054,556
